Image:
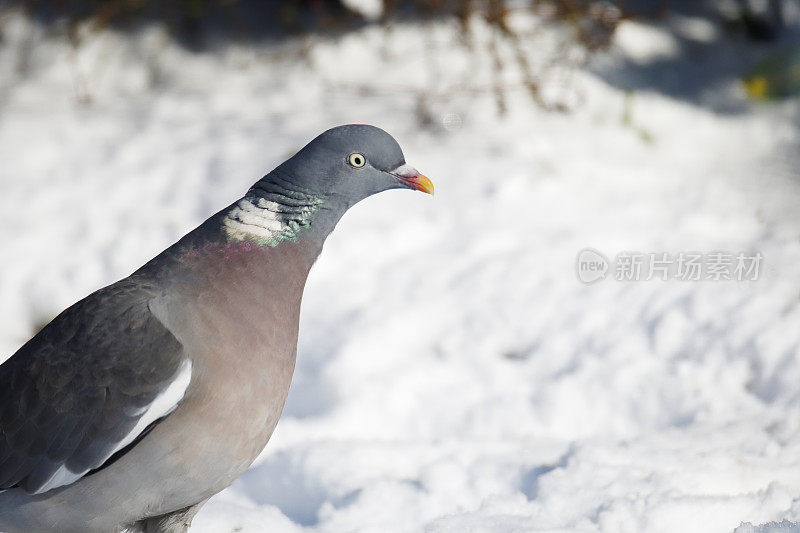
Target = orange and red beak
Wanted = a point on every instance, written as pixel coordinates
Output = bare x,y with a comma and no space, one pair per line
411,178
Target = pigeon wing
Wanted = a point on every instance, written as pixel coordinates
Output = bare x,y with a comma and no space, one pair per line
80,392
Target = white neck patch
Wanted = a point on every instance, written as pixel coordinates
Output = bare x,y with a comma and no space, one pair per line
267,222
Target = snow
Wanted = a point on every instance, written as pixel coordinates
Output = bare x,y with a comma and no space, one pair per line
453,374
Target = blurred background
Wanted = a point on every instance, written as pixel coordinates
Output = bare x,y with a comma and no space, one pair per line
455,373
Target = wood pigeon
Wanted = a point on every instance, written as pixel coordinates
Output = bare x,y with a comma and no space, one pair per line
141,401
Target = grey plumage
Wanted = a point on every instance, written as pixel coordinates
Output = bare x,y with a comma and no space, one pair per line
138,403
73,392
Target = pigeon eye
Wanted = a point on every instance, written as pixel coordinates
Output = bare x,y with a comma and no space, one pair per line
357,160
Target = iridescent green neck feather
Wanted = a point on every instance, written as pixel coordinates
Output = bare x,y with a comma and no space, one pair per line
270,217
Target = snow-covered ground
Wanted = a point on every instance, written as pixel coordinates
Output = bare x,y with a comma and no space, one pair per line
453,373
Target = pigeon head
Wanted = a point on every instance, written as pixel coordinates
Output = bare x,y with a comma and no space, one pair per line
315,187
349,163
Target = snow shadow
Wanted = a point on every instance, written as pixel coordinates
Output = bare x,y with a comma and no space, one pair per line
708,54
284,481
